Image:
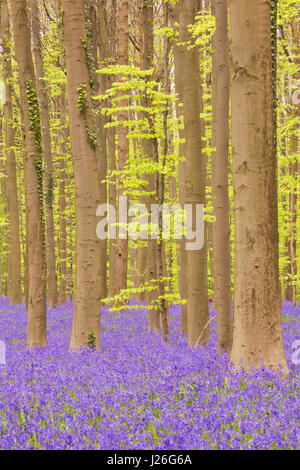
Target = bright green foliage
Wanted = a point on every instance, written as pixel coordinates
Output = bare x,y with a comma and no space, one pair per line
146,103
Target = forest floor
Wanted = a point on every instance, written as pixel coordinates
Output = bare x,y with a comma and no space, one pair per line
139,393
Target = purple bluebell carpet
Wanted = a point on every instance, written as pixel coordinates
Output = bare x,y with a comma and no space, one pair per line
139,393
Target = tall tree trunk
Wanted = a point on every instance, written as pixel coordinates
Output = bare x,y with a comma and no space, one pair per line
46,141
111,153
147,257
62,293
99,86
257,334
70,244
213,157
222,228
142,252
197,303
3,192
33,175
179,65
61,109
14,291
107,46
161,260
291,291
123,143
86,322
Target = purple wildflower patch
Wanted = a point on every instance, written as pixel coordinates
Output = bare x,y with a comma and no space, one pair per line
138,392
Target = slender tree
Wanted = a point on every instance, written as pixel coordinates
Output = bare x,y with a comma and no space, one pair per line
123,143
197,302
62,113
179,64
148,257
222,228
107,13
214,77
99,84
62,293
161,264
46,141
14,291
291,291
33,176
86,322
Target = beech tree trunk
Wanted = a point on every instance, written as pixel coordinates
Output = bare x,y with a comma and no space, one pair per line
179,65
14,291
145,13
161,259
33,176
86,322
99,86
111,153
148,256
62,293
2,193
61,109
257,334
107,47
222,227
46,140
70,244
213,159
291,291
123,143
197,302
